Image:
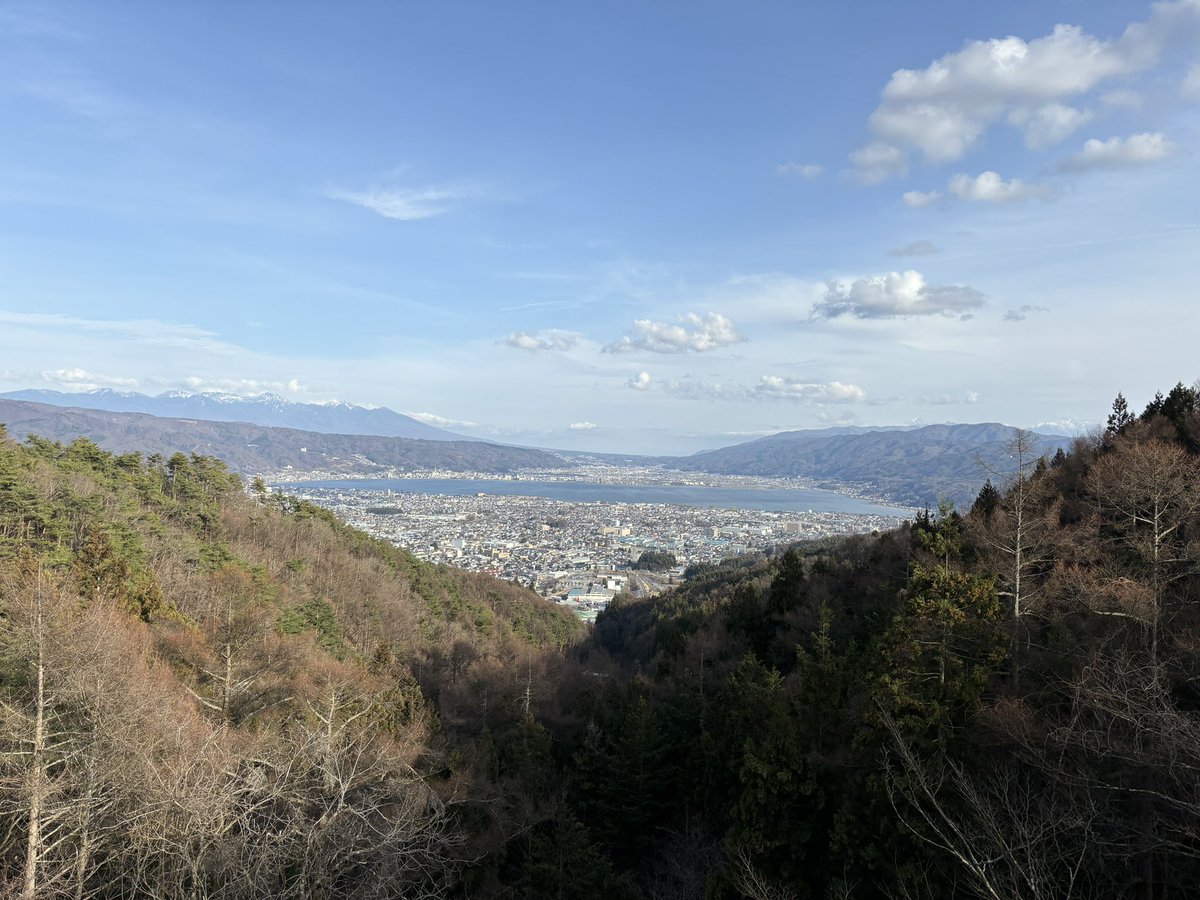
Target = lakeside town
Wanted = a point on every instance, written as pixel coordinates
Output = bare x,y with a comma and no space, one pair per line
581,554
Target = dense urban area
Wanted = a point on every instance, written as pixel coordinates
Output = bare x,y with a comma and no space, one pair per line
581,554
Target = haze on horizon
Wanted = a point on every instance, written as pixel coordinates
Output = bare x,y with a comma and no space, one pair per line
629,227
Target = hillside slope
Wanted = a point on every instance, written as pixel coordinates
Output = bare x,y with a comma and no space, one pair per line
263,409
257,448
911,466
209,694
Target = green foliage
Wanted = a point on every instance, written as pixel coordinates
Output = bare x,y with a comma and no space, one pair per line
656,561
943,647
563,863
315,615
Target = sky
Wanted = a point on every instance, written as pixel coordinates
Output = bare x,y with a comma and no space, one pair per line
651,226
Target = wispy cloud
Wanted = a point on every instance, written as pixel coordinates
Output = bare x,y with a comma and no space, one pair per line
921,199
441,421
916,248
83,380
151,331
404,204
1022,312
804,170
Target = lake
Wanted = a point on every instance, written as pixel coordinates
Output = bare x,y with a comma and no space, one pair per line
795,499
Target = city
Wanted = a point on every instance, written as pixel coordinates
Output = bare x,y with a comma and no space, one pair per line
578,553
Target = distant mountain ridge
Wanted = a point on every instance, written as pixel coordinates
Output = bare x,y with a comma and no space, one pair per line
911,465
249,449
267,409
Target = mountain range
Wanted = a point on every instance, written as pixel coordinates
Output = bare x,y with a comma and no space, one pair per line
248,448
906,464
912,465
264,409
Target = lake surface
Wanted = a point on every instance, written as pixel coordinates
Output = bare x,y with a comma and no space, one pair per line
770,499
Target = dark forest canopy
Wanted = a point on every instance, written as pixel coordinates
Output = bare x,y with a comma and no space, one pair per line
240,697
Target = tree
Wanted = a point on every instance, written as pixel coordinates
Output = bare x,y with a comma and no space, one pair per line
1147,494
1017,535
1011,838
1119,417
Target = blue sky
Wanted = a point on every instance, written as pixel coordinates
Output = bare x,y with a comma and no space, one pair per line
641,226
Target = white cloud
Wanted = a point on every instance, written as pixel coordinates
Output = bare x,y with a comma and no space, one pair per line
407,205
441,421
878,161
80,379
895,295
242,387
143,331
694,389
989,187
695,333
1048,125
921,199
774,387
943,110
582,426
640,382
969,397
541,340
805,170
1118,153
916,248
1021,313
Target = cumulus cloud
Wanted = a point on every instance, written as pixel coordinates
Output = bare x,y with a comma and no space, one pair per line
1022,312
1120,153
989,187
83,380
921,199
916,248
406,205
895,295
1033,86
804,170
541,340
441,421
582,426
640,382
694,333
774,387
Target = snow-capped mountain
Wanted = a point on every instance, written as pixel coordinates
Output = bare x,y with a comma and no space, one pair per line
264,409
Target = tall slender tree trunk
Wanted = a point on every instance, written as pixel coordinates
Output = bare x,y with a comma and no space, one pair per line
38,780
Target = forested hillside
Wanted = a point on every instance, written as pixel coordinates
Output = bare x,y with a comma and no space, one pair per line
997,703
913,466
214,694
